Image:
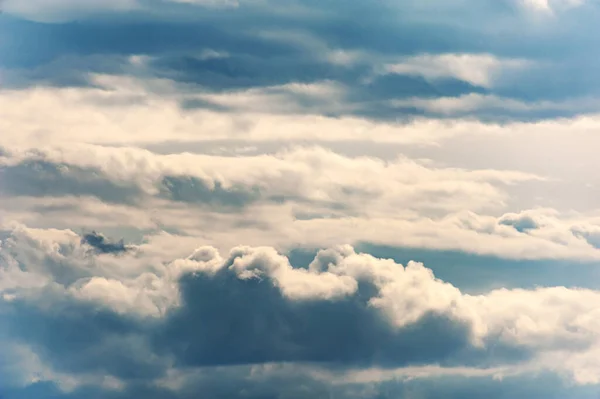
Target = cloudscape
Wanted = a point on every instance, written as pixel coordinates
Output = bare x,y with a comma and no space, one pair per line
299,199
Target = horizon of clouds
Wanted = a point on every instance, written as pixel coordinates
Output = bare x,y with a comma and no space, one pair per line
249,199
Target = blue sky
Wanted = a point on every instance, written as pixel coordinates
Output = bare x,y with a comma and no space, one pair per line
299,199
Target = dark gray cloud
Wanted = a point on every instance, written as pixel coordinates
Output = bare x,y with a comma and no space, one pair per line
103,245
175,35
39,178
192,190
252,323
521,223
79,338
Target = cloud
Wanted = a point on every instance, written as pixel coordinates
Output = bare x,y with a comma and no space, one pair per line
38,178
238,145
162,115
294,174
477,69
345,310
550,6
484,105
61,10
306,196
299,42
292,98
210,3
286,228
290,113
229,383
521,223
102,245
317,47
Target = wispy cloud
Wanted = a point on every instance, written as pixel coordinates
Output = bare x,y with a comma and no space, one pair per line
477,69
61,10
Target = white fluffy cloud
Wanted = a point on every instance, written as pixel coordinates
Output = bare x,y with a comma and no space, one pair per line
313,173
308,197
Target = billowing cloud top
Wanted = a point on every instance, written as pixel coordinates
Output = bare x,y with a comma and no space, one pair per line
299,199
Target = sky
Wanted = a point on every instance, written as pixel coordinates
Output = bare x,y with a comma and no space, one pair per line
299,199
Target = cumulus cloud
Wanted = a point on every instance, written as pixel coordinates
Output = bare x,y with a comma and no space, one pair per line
346,309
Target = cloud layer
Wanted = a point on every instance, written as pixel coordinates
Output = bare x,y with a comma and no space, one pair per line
344,310
291,199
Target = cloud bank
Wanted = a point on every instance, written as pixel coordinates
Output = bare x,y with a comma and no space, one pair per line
344,310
